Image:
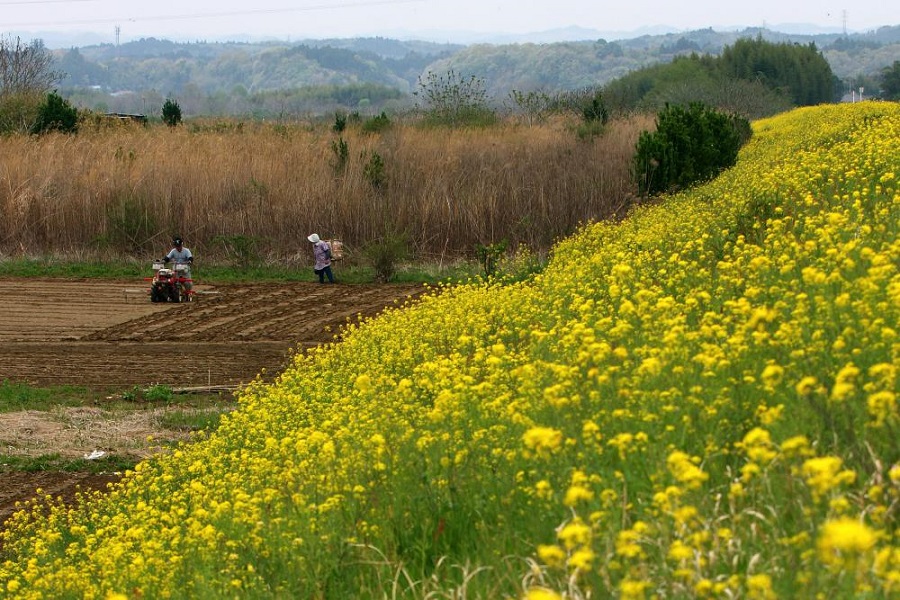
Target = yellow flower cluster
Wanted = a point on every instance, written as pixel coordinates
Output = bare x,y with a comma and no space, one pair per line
698,401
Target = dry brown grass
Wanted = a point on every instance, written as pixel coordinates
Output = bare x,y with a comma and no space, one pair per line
128,189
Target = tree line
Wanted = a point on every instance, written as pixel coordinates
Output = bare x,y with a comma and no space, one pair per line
752,77
275,78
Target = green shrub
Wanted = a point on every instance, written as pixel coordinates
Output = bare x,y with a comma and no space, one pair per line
56,114
341,152
533,106
489,255
171,113
373,171
376,124
340,123
690,145
594,110
385,253
454,100
242,250
18,112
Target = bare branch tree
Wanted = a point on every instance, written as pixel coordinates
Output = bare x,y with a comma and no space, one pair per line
26,68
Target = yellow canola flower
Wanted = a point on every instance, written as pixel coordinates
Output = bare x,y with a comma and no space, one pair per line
631,589
796,446
627,544
759,587
581,559
882,406
772,375
575,534
577,494
886,566
894,474
823,474
551,555
807,385
758,446
844,383
543,440
679,551
682,467
845,539
542,594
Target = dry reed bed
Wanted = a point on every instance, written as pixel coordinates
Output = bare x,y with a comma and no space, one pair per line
128,189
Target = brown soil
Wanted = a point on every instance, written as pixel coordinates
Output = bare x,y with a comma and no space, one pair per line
109,337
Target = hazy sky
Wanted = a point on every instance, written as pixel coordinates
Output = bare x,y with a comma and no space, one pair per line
286,19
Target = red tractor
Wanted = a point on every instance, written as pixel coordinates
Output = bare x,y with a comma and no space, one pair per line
171,285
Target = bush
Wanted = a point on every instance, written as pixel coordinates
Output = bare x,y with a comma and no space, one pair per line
594,110
373,171
171,113
385,253
56,114
376,124
490,255
19,112
690,145
242,250
455,101
340,123
341,152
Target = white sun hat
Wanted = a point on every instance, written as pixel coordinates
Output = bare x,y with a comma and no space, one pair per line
314,238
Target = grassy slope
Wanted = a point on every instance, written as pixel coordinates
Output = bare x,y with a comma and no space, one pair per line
698,401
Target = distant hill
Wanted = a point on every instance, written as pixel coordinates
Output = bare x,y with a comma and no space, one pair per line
100,75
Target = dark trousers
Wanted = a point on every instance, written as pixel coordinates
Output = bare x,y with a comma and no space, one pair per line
323,273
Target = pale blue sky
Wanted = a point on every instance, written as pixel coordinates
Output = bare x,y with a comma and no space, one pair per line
286,19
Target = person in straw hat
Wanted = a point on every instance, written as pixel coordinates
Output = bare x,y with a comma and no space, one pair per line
322,254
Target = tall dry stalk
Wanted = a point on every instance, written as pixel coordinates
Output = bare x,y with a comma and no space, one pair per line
129,189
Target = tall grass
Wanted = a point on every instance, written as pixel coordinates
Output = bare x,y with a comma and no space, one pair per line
128,189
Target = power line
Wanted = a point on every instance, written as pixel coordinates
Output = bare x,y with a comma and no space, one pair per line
27,2
203,15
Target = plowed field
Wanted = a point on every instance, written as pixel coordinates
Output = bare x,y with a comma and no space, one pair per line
108,336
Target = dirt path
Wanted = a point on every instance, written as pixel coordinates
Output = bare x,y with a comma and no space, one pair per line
109,337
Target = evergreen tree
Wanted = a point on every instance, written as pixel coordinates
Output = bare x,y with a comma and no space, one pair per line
690,145
171,113
56,114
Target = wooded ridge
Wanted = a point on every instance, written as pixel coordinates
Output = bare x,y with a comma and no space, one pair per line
136,76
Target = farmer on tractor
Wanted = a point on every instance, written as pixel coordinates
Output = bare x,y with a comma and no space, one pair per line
181,256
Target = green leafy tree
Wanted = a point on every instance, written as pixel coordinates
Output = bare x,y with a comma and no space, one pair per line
690,145
56,114
890,82
171,113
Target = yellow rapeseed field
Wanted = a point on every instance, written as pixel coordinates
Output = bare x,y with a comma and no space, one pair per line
698,402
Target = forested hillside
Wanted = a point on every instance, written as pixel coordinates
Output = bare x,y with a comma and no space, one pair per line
374,74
